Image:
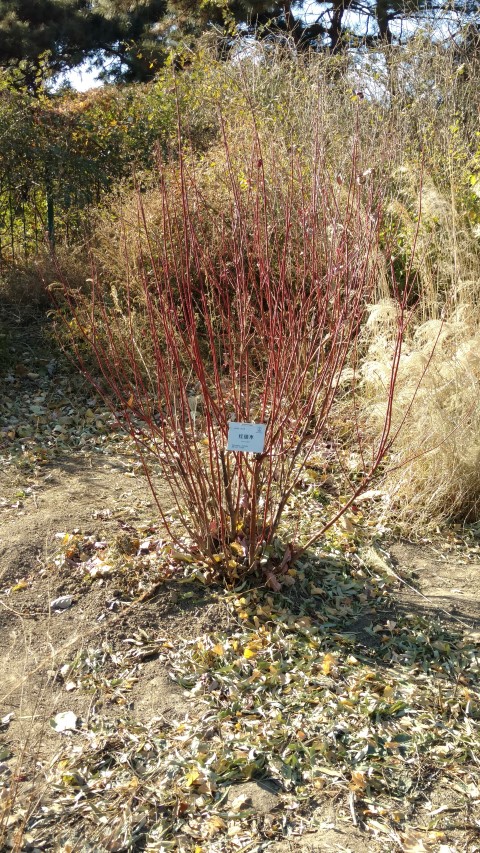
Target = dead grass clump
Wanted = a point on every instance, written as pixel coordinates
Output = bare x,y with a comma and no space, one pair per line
435,466
434,470
436,234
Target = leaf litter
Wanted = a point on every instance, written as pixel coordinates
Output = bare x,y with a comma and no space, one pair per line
324,690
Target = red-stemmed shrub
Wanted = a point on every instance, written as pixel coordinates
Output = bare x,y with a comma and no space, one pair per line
246,307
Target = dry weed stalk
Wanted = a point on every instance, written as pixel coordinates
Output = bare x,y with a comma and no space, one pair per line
251,315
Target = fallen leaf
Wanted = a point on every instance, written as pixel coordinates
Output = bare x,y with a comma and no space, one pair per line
23,584
329,661
62,603
215,824
412,842
64,722
192,777
273,583
359,782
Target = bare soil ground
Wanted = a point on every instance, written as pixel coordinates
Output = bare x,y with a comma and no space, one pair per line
96,498
447,580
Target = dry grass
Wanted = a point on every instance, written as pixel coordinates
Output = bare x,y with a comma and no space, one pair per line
24,287
434,470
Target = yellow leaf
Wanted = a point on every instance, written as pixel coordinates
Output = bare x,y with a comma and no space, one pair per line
249,653
348,703
218,650
317,590
73,779
192,777
329,661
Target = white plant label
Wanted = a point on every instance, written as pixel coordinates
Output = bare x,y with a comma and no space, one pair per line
246,438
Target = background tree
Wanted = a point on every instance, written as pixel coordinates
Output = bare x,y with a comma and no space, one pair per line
46,37
130,41
331,27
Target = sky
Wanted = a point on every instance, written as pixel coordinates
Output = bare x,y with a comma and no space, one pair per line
82,78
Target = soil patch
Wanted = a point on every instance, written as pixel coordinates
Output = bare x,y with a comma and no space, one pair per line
447,580
101,500
334,833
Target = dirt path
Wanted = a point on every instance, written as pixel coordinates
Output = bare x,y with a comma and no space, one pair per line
85,491
447,580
